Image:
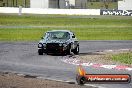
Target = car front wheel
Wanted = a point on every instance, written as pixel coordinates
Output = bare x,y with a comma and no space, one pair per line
40,51
69,50
76,50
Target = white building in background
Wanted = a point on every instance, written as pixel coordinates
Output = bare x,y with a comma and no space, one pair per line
44,3
125,5
62,4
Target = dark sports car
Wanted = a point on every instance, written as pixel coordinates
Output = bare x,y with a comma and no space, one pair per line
58,41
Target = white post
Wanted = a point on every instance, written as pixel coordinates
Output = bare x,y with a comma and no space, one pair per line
20,10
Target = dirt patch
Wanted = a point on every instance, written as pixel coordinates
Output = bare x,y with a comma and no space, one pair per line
10,80
104,57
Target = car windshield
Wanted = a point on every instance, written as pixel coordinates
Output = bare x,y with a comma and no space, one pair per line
58,35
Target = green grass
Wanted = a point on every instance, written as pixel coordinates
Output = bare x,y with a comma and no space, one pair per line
123,58
32,27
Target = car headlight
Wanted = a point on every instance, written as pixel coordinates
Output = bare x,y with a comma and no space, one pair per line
40,45
44,44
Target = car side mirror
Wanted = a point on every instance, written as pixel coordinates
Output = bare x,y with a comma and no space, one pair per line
73,36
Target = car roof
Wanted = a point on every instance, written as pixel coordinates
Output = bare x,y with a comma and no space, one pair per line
60,31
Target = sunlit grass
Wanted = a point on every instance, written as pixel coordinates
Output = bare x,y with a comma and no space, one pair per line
32,27
123,58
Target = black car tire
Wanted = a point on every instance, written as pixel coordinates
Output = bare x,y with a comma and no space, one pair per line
69,51
76,50
40,51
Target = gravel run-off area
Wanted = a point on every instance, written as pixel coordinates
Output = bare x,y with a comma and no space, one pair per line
10,80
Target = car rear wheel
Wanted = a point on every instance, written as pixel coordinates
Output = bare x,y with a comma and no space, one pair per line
40,52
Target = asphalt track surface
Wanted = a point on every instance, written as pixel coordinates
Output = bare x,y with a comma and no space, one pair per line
22,57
